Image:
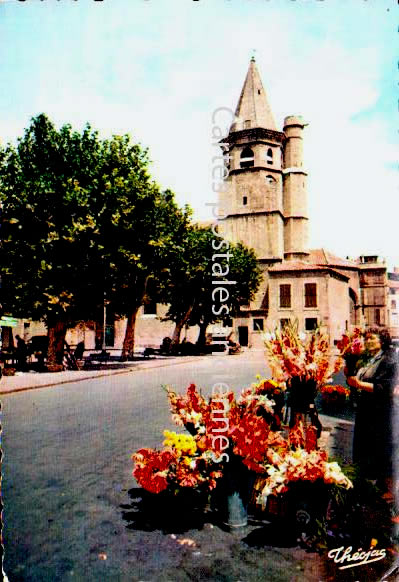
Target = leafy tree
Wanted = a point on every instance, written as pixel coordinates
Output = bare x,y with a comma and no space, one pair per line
82,221
186,273
46,256
218,302
193,295
143,234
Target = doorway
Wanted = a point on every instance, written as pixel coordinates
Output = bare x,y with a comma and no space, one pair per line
243,335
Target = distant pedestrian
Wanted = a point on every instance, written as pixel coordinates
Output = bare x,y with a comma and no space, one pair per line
79,351
21,353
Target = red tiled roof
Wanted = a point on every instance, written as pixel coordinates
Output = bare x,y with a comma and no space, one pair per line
324,257
303,266
296,266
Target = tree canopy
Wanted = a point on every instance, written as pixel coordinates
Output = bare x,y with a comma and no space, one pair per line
206,264
82,220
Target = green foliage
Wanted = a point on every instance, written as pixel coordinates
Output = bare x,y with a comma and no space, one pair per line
48,221
81,219
197,263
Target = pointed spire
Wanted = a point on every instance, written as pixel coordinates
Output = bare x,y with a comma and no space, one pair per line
253,109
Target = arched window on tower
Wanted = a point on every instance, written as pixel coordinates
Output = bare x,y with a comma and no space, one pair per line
269,156
270,180
247,158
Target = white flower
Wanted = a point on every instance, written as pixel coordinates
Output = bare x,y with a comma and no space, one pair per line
266,491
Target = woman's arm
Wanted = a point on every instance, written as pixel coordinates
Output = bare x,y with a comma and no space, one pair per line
382,380
354,382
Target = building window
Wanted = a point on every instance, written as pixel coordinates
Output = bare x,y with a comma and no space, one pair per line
270,180
393,304
377,316
244,200
310,323
150,308
285,296
258,324
269,156
284,323
247,124
247,158
310,295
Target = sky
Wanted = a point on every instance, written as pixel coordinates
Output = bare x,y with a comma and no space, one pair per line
158,69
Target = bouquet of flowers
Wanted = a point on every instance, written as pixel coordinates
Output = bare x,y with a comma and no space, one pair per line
351,349
224,424
179,464
291,354
334,395
298,461
304,363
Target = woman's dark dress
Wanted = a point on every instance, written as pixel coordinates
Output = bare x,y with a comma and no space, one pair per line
373,437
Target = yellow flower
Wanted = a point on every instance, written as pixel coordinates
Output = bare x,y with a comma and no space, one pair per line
182,443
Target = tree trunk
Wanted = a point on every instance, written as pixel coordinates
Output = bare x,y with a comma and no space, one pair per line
179,326
128,342
56,338
202,334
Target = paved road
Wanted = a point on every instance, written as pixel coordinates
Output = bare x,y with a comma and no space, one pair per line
67,477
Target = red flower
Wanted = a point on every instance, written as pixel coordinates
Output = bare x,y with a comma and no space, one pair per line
310,438
151,469
296,435
249,436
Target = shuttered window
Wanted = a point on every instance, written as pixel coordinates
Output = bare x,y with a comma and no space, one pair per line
310,295
285,296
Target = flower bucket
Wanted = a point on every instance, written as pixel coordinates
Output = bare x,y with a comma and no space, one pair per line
301,394
235,492
301,506
333,404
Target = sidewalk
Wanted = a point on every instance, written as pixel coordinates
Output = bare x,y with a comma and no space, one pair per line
30,380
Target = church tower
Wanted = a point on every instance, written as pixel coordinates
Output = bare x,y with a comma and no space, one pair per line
264,196
252,200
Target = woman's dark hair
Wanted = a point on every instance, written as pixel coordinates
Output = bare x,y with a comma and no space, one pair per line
383,334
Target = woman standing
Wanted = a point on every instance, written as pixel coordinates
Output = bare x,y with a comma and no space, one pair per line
373,436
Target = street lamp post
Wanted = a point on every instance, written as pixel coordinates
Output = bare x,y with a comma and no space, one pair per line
104,323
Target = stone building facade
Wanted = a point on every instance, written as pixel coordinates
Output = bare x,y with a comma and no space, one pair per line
393,302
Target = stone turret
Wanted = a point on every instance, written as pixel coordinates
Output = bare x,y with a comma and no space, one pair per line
294,191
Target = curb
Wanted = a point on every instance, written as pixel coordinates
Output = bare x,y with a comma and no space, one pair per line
138,367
